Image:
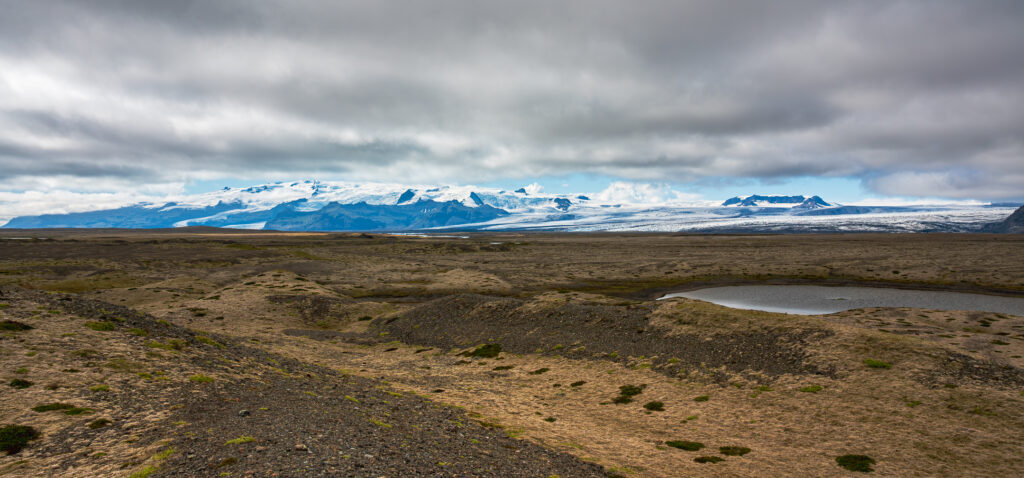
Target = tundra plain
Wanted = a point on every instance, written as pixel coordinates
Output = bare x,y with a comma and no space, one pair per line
205,352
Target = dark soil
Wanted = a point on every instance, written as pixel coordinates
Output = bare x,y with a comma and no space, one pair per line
601,330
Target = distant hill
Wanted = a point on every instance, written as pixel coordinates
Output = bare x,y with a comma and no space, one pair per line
1012,225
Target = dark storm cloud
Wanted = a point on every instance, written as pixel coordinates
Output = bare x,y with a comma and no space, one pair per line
914,97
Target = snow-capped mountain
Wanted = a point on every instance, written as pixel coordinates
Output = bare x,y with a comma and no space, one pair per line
756,200
346,206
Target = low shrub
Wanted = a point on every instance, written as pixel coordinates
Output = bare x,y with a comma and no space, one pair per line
15,437
484,351
708,459
877,363
102,326
685,445
655,406
14,326
734,450
98,423
860,463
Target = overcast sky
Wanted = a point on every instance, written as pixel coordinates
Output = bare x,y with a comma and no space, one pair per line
901,98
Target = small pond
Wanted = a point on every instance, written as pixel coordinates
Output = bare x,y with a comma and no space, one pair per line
812,300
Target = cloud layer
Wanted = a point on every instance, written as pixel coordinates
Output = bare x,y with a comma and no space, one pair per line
916,98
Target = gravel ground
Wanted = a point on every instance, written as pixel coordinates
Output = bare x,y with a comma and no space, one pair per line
293,418
583,330
346,427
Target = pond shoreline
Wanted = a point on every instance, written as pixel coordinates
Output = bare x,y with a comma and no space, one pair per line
657,292
819,299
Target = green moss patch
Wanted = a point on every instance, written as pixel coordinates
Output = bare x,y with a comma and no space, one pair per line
484,351
708,459
102,326
15,437
19,383
98,423
734,450
860,463
877,363
49,407
685,445
655,406
14,326
540,371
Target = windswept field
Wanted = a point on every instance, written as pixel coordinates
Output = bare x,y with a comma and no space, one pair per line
221,353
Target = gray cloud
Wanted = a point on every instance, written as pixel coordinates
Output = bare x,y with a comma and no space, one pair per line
913,97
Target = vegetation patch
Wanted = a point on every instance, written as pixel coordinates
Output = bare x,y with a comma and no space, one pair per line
200,378
19,383
627,392
861,463
209,341
685,445
49,407
734,450
655,406
484,351
540,371
14,326
811,389
877,363
100,388
78,411
15,437
708,459
505,367
631,390
702,398
98,423
240,440
102,326
173,344
577,384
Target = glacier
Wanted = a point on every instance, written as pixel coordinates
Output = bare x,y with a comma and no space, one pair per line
371,206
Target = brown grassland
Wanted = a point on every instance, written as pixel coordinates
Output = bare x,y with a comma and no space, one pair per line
206,353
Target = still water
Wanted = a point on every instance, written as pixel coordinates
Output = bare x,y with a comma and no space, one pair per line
811,300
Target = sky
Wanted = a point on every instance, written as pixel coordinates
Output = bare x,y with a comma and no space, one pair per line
106,102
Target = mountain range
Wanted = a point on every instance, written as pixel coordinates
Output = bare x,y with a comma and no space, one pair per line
342,206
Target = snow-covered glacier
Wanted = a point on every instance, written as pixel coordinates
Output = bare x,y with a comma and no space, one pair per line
351,206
